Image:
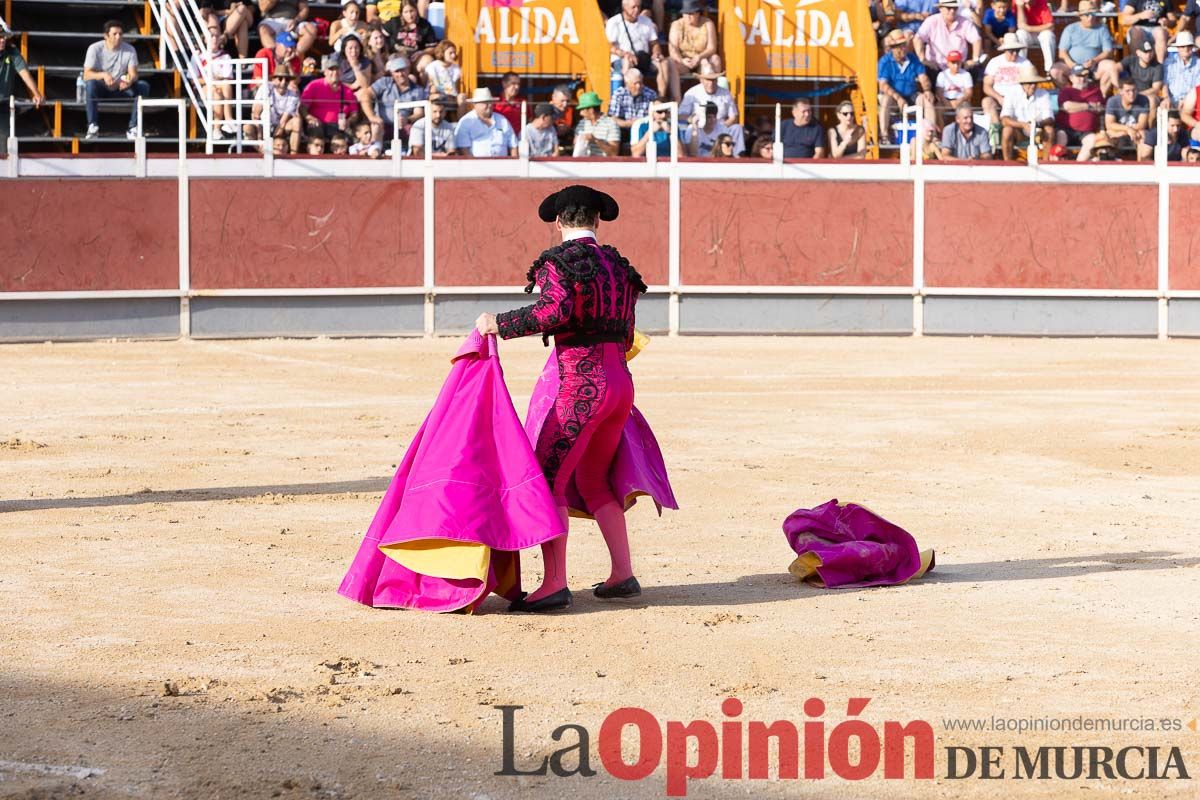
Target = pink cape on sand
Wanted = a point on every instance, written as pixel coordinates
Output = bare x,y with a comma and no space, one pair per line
844,546
638,468
469,494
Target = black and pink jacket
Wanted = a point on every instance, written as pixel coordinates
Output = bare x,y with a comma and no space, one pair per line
588,295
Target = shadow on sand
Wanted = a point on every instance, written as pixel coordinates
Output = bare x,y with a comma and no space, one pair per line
374,485
778,586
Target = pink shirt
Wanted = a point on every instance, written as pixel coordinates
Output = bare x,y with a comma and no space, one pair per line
940,40
325,102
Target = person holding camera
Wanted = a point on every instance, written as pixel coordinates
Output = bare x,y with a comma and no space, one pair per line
657,129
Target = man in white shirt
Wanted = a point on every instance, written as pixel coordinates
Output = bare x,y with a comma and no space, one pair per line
482,133
1000,74
705,92
1024,106
631,37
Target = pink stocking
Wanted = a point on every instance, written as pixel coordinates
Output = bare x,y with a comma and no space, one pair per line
554,563
611,519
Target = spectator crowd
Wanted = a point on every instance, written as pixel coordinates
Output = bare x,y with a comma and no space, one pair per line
995,77
991,77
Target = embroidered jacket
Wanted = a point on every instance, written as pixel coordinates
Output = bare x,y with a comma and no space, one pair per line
586,289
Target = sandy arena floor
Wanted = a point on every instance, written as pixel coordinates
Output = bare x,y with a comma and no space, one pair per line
176,517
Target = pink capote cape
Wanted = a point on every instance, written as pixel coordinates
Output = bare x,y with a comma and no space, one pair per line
637,469
843,546
467,496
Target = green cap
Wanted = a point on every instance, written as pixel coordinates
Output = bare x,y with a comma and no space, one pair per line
589,100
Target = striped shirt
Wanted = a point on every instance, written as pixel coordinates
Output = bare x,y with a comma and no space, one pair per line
604,129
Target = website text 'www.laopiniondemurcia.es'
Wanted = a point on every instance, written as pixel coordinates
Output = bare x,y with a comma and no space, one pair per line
853,749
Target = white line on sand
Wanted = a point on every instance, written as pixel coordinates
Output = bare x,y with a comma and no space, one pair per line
304,361
78,773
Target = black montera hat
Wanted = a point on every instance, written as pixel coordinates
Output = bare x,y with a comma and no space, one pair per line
577,195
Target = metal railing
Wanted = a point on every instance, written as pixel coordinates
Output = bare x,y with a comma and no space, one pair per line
398,144
238,103
182,33
13,165
184,37
139,141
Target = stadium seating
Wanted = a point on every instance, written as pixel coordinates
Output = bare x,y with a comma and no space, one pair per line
55,35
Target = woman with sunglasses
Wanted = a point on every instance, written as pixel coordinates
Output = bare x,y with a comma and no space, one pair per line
847,139
764,148
723,146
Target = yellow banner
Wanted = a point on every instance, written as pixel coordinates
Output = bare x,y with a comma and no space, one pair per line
531,37
803,38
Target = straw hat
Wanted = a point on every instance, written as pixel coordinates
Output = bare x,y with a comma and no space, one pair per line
895,38
1010,42
1028,74
482,95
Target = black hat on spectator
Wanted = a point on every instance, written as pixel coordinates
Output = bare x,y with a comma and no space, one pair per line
1147,46
579,196
694,6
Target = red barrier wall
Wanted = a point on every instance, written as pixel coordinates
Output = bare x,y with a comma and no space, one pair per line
810,233
80,234
115,234
283,233
1184,251
1024,235
488,232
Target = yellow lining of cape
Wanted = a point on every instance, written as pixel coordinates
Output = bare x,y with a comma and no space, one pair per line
640,340
441,558
804,568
